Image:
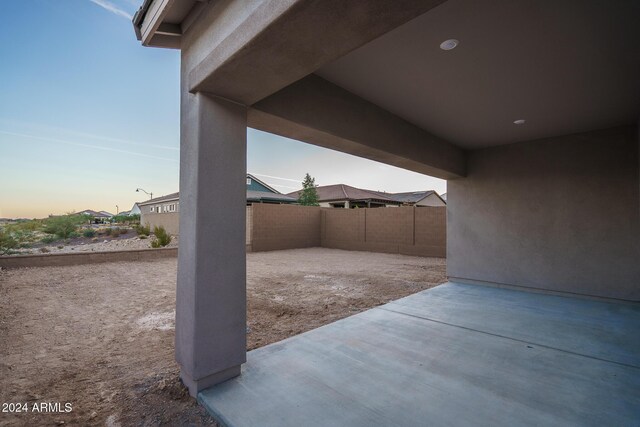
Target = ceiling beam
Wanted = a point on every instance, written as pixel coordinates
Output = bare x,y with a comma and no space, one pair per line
317,111
282,41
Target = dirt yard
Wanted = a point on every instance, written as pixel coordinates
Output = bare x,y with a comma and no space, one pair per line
100,337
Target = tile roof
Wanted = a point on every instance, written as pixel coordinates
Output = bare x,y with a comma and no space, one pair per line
346,192
411,196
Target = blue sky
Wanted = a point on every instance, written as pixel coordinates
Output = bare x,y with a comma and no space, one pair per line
87,115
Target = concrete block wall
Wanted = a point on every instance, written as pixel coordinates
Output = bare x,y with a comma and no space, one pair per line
79,258
275,227
249,228
405,230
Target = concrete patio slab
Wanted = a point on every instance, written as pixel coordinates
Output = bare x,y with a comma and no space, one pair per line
453,355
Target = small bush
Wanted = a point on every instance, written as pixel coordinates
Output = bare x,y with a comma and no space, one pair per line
89,233
7,242
162,238
142,237
44,250
124,230
115,232
108,231
60,246
126,219
63,226
143,230
48,239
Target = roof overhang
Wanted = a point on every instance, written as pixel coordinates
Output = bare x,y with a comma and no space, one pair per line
161,23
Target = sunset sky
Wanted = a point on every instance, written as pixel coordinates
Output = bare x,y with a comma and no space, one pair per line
87,115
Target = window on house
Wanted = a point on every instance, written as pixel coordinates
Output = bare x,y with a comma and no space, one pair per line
248,181
151,209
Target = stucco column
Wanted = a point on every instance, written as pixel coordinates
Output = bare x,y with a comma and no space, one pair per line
211,290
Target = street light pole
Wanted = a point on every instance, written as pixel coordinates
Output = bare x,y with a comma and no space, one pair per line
149,194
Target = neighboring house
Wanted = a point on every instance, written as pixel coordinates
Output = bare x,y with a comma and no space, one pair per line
98,217
260,192
345,196
164,204
418,198
135,210
165,210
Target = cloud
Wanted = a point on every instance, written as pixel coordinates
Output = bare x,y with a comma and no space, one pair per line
93,147
105,4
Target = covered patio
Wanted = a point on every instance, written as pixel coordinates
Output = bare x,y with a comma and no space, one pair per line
529,110
456,354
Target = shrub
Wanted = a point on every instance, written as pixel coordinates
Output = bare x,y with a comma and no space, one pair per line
26,225
89,233
115,232
48,239
23,236
126,219
143,230
63,226
162,238
44,250
108,231
124,230
7,242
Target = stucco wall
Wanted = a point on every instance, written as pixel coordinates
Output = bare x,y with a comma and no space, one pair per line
169,220
406,230
560,214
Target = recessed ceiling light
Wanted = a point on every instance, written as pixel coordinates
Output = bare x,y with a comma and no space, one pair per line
519,122
449,44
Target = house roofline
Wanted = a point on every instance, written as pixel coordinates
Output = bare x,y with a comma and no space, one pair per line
263,183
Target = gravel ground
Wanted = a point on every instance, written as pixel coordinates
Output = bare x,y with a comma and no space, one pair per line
100,336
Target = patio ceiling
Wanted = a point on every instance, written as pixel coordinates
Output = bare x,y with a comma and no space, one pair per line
564,67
